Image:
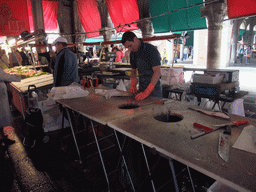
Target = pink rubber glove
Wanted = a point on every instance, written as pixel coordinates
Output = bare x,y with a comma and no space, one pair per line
133,88
145,93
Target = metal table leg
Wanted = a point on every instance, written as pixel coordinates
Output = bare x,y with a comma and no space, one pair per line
149,172
102,162
174,175
73,133
192,183
121,151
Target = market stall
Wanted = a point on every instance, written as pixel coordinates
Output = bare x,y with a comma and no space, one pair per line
19,90
173,138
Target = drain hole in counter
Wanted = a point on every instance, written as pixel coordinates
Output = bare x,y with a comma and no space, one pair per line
128,106
168,117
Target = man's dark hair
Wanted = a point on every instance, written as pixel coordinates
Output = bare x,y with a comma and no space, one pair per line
63,43
128,36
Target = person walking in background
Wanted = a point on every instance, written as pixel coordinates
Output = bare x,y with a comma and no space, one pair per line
52,61
65,70
25,60
126,56
164,57
44,57
186,52
175,55
4,61
118,55
15,58
241,54
122,53
248,54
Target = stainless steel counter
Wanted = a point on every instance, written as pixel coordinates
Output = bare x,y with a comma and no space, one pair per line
173,138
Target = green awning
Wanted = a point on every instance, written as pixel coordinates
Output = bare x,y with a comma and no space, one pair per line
181,20
244,33
190,40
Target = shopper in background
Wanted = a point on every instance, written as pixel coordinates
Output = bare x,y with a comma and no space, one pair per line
146,58
15,58
126,58
44,57
122,53
241,54
118,55
164,57
25,60
248,54
4,61
175,55
186,52
65,70
52,61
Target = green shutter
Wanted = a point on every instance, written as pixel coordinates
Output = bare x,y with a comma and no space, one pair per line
181,20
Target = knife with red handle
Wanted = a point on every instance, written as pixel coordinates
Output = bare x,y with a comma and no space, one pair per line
205,128
209,130
235,123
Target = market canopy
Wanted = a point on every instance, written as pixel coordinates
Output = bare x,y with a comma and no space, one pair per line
13,17
184,15
238,8
121,12
50,10
166,15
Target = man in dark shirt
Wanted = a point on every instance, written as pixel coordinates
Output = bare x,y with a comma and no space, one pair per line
146,58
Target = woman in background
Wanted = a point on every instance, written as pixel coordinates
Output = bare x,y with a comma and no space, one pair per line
4,61
118,54
15,58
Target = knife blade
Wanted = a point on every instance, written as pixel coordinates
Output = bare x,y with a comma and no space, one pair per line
224,143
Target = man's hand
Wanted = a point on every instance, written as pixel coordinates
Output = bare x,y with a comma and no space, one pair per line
145,93
133,88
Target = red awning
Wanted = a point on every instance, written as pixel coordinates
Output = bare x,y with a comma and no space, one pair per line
123,12
238,8
89,16
13,17
50,10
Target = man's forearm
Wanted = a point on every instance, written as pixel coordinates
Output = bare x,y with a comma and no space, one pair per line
156,75
133,73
